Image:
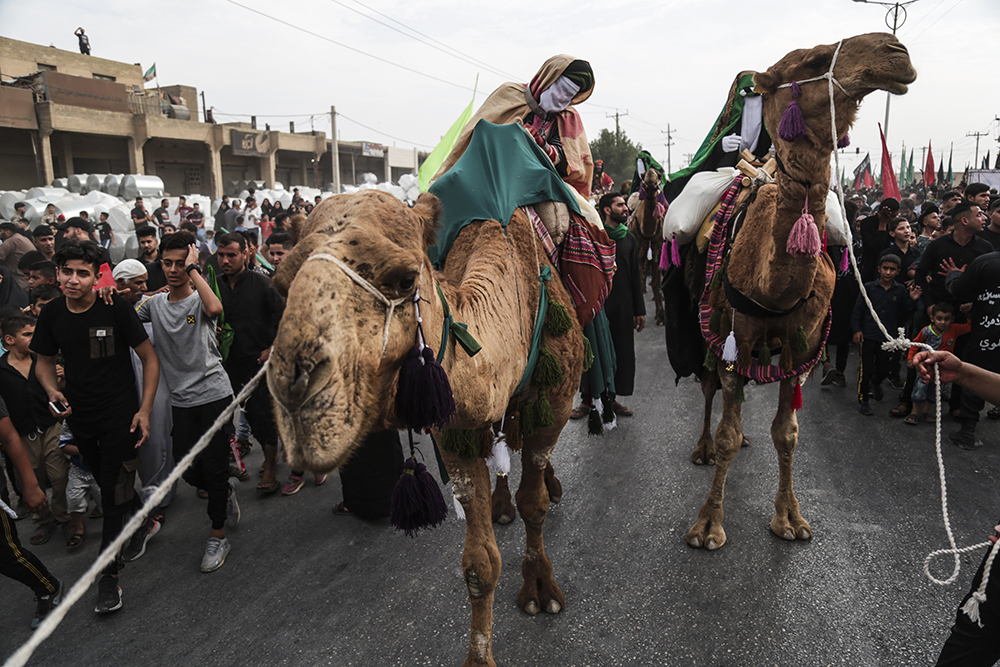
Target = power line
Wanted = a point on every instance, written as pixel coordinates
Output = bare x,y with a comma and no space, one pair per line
348,47
259,115
936,20
457,54
924,18
406,141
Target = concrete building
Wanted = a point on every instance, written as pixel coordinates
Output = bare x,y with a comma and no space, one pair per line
64,113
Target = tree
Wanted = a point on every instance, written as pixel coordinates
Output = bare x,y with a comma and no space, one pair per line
618,153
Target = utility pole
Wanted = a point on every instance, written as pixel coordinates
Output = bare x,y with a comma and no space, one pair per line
616,115
687,158
204,109
976,135
670,142
895,10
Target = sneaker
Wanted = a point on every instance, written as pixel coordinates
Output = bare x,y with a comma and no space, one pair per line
865,409
839,380
294,484
136,546
896,383
233,504
215,554
46,603
877,392
965,439
109,595
829,375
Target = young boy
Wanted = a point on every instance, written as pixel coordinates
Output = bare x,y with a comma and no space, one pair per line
892,304
940,334
38,429
100,402
41,295
183,322
17,562
81,484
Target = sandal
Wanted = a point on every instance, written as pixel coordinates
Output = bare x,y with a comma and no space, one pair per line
900,410
579,412
203,494
929,418
74,541
994,413
294,485
911,419
43,534
268,489
235,472
340,510
621,410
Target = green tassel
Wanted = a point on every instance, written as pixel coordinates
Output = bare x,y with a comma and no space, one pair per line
528,424
716,281
711,361
715,321
557,319
461,441
738,394
547,372
543,411
823,356
764,355
800,343
588,355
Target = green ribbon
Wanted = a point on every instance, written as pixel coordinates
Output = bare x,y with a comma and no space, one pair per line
536,338
457,329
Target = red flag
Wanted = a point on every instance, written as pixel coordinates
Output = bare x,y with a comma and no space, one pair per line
106,278
890,187
929,167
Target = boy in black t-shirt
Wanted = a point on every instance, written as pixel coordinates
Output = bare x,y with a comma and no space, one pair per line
99,404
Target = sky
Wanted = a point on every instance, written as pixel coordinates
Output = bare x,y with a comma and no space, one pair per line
665,64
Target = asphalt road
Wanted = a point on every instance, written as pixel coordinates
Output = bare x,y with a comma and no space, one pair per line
303,587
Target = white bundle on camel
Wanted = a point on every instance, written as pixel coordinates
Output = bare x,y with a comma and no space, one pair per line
700,196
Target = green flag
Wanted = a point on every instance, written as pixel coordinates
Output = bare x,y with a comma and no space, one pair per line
902,167
441,151
150,74
909,170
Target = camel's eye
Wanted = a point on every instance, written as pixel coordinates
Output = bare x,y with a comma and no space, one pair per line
819,62
406,285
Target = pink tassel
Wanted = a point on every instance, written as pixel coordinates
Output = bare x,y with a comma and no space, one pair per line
803,241
797,397
675,252
665,257
844,142
793,124
845,261
659,211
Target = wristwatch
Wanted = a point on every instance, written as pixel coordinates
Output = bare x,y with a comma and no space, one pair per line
192,267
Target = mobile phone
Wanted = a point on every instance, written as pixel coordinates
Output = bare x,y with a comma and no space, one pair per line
58,407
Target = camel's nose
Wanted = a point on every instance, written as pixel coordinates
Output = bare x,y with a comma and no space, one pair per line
301,375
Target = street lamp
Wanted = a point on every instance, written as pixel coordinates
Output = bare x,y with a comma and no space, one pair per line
895,10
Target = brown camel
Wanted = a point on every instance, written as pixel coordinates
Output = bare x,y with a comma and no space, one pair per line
760,266
333,383
649,230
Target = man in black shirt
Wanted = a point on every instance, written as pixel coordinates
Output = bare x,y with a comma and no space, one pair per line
99,403
161,216
149,244
960,247
992,231
875,237
139,215
253,309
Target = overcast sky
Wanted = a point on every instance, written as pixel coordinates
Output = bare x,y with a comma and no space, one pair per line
665,62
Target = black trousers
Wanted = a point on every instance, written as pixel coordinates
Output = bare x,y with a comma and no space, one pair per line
969,645
874,367
210,469
108,450
20,564
259,405
370,476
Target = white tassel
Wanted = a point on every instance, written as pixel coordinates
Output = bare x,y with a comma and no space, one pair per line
971,608
729,352
499,461
11,513
459,510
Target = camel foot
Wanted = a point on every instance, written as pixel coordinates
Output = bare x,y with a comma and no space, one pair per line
539,590
552,484
704,453
791,526
745,442
706,533
502,509
659,321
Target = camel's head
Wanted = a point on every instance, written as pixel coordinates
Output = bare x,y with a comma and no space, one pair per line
331,381
865,63
651,181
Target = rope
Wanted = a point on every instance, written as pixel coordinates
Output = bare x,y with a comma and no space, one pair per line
51,622
900,342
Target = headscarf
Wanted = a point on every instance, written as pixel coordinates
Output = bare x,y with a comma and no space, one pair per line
129,269
511,102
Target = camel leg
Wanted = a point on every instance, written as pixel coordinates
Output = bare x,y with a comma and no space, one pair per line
704,452
657,292
787,523
552,484
481,558
539,590
503,509
707,531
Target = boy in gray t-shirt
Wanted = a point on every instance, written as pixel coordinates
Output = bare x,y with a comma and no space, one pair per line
183,323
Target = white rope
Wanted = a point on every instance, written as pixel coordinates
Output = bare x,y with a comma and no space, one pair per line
901,342
390,304
51,622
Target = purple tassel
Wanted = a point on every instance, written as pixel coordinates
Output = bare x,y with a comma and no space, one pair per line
844,142
796,91
416,500
423,393
845,261
665,256
793,124
675,252
804,239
